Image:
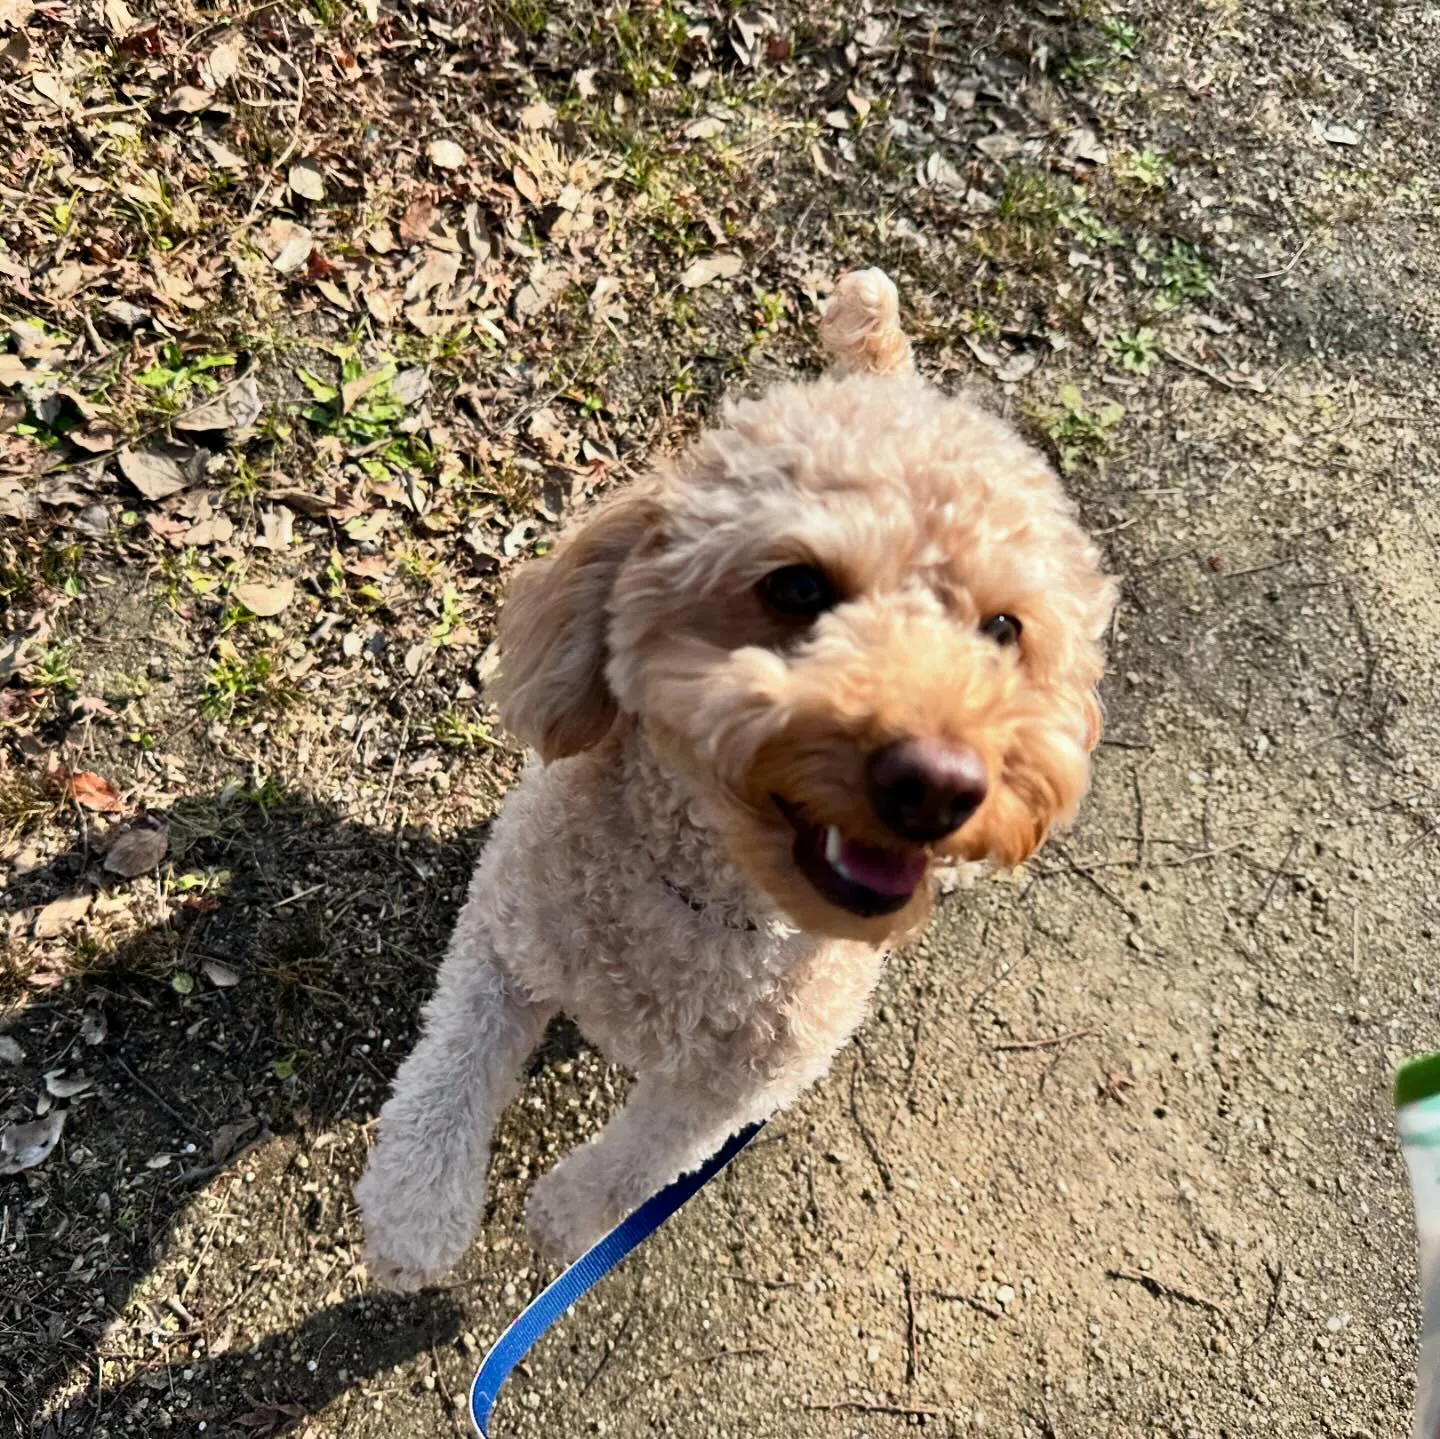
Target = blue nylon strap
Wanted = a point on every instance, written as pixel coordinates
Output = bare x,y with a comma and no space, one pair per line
587,1271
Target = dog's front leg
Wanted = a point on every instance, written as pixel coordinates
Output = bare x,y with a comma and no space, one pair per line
666,1128
424,1188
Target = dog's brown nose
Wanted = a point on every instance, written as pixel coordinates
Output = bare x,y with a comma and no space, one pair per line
924,789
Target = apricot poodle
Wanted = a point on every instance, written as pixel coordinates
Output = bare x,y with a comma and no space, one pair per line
853,632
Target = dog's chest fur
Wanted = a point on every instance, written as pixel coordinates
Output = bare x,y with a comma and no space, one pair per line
636,925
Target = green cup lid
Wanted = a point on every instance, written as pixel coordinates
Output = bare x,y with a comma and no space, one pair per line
1417,1079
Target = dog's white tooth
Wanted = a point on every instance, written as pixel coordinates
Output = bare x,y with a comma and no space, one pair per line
834,849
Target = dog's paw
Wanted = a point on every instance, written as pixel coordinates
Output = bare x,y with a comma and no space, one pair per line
408,1246
560,1215
396,1275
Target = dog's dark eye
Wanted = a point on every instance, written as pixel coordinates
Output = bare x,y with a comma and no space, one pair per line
1003,629
798,591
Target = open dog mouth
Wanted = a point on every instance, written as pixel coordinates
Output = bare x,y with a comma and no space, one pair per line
866,879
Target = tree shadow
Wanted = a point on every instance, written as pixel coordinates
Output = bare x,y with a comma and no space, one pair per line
240,1035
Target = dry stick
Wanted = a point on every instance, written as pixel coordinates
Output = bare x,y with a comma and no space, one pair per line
1161,1290
867,1138
912,1340
699,1359
1046,1043
162,1101
1141,844
1186,364
1274,880
859,1406
610,1352
1286,268
990,1311
1095,884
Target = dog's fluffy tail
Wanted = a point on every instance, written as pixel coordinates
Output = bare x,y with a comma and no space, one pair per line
861,325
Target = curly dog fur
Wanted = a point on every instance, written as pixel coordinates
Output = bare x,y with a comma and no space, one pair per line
854,597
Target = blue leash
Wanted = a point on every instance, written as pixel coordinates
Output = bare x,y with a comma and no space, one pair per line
587,1271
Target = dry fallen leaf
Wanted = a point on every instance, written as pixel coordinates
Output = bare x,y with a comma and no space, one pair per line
224,60
93,792
98,437
415,224
236,407
525,184
23,1146
188,100
60,1085
288,245
61,915
10,1051
137,851
154,473
353,391
538,116
222,976
229,1138
723,266
446,155
307,180
705,128
53,88
438,271
265,600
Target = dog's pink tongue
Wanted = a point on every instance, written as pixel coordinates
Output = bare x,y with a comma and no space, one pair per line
884,870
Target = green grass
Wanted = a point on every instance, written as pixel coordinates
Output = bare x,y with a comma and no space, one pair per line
245,686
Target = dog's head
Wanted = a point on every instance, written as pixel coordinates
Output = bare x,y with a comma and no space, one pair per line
859,616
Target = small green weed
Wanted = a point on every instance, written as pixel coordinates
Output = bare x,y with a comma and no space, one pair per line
363,412
174,377
56,667
1134,350
244,686
455,731
451,616
23,802
1077,433
1089,228
1122,38
1147,168
1184,277
529,17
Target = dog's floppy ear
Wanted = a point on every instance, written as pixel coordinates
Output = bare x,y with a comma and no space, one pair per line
551,688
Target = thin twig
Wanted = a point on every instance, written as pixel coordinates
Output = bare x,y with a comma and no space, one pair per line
1212,375
867,1138
162,1101
990,1311
912,1338
1274,880
1161,1290
1286,268
610,1351
1046,1043
699,1359
1095,884
1141,844
859,1406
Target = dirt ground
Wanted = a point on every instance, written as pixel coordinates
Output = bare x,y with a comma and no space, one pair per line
322,319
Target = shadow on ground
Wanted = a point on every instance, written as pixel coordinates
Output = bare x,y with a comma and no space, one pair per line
323,938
